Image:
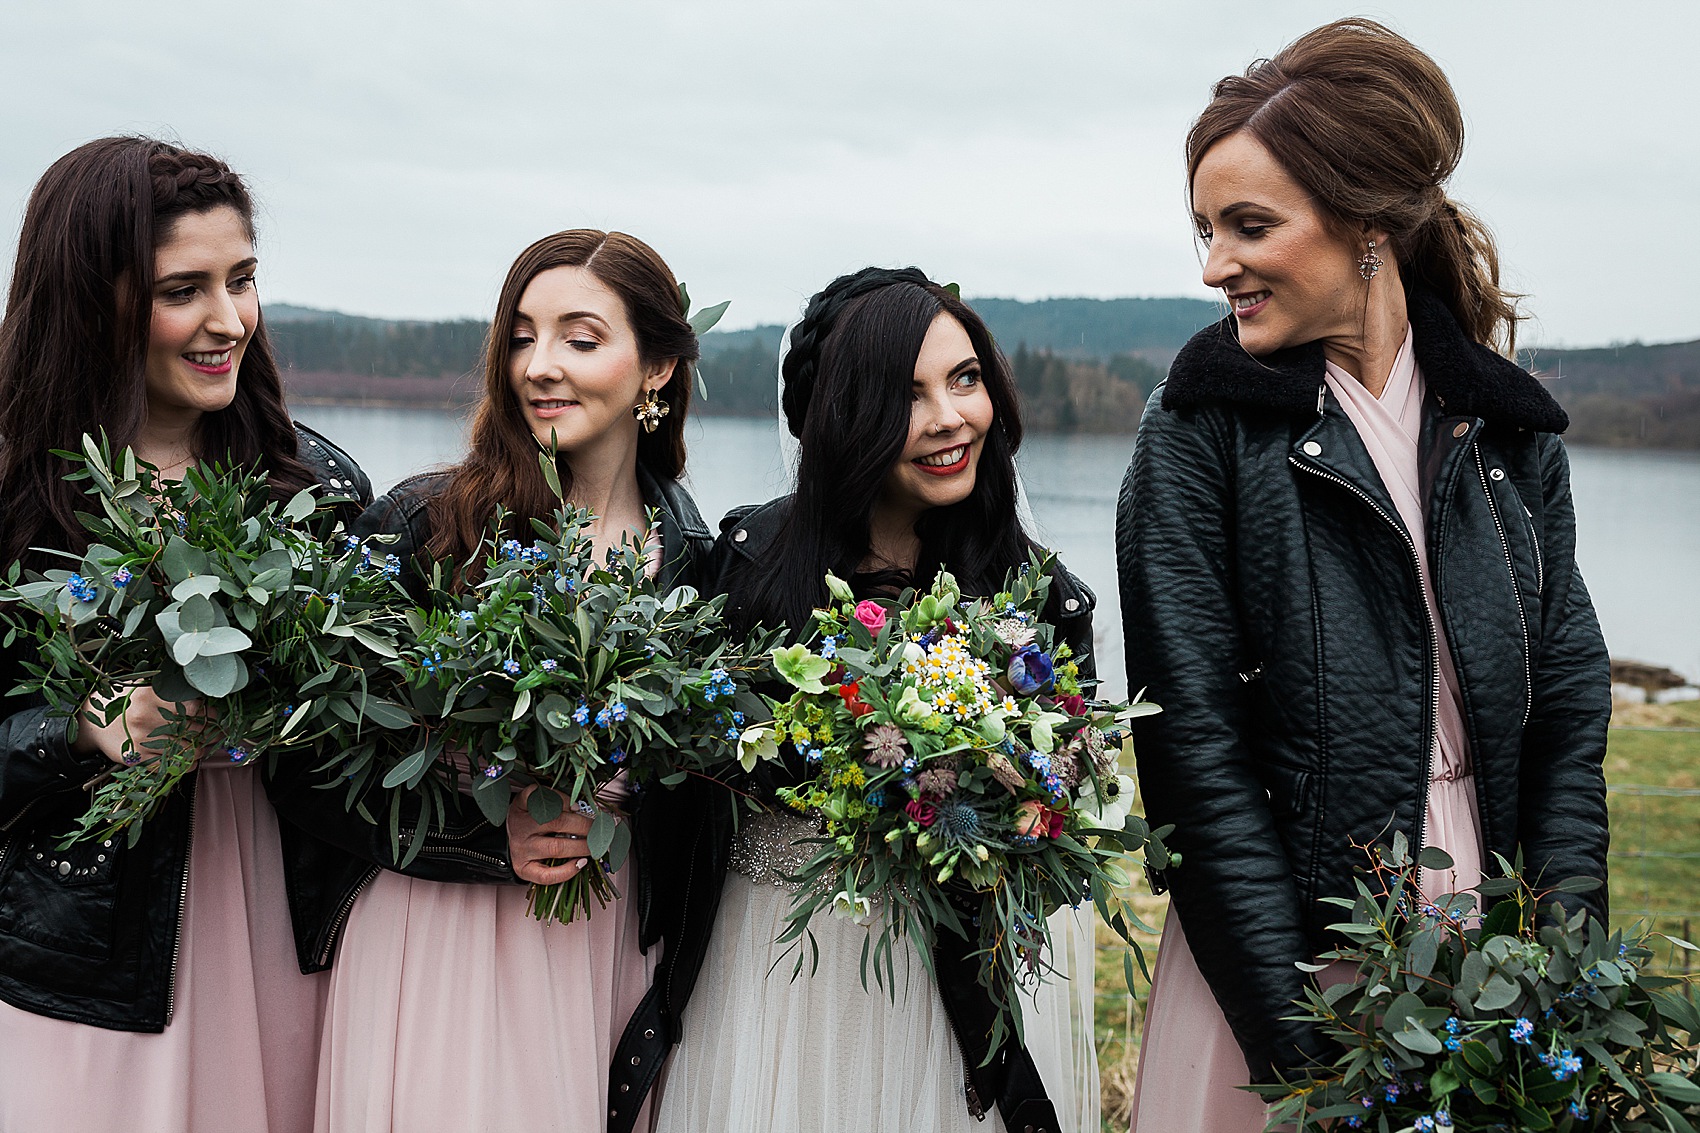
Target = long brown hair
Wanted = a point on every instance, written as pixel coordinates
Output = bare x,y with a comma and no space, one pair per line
74,342
1371,128
501,466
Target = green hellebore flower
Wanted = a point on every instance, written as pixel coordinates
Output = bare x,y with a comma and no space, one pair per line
801,668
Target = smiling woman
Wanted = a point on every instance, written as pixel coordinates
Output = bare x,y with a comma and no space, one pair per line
1346,556
152,984
451,1007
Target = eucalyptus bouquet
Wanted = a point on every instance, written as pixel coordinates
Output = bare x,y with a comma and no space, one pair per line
961,777
561,670
206,589
1463,1022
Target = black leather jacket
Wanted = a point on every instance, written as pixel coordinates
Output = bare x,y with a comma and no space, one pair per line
1272,607
691,851
89,934
348,850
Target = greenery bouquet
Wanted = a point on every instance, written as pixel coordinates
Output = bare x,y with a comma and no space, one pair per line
963,782
207,590
575,674
1462,1022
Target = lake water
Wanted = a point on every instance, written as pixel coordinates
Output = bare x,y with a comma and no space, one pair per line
1638,513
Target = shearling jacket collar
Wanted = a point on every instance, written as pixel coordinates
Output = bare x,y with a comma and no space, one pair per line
1466,377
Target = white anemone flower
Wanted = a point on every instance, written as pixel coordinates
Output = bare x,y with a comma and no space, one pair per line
1110,811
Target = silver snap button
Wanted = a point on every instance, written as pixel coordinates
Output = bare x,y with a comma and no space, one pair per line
636,1060
100,857
740,535
38,855
64,869
625,1087
1072,605
1311,448
649,1032
330,462
1497,474
315,444
1461,428
107,844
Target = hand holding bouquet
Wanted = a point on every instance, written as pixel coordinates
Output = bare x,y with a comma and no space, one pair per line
579,675
1457,1021
960,775
205,589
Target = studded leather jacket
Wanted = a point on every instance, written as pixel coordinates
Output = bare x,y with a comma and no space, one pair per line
1271,605
89,934
348,850
691,851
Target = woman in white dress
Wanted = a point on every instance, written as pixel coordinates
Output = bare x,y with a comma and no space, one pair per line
908,424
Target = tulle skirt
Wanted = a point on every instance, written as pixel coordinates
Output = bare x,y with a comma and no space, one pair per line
763,1052
452,1010
240,1053
1190,1066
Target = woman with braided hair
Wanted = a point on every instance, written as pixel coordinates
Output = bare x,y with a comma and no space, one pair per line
1346,553
908,424
154,985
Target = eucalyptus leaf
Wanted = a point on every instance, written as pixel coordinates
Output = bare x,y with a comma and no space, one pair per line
217,676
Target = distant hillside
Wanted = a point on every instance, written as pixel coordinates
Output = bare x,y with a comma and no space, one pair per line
1082,365
1632,396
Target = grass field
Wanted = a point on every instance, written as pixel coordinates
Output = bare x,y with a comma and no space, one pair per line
1653,774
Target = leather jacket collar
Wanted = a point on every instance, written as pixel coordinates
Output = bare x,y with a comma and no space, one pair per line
1463,376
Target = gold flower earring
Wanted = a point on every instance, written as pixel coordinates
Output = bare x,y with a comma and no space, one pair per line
650,411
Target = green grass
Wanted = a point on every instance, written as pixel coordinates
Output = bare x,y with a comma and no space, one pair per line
1650,881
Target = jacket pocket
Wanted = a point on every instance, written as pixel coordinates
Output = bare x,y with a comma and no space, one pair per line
66,900
1290,790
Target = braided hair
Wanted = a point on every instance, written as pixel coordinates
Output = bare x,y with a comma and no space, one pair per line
847,398
74,341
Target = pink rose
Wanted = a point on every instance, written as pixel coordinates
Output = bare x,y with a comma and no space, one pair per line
921,812
871,614
1036,820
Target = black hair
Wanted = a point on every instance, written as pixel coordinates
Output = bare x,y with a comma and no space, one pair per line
847,399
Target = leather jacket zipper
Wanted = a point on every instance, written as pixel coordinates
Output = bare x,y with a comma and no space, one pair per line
1516,590
976,1107
182,907
1432,722
341,917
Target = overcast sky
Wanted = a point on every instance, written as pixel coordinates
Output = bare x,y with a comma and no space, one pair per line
405,152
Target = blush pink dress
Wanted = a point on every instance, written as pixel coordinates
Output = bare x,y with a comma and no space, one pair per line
452,1010
240,1054
1190,1067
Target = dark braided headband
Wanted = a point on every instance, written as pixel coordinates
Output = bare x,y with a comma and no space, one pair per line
179,172
802,359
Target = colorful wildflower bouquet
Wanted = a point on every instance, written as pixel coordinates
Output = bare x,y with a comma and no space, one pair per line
961,777
206,589
1463,1022
561,670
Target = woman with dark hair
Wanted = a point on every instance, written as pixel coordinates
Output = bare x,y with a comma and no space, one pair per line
908,424
450,1007
1346,549
151,985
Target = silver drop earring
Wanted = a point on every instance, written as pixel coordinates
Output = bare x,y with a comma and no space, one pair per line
1369,263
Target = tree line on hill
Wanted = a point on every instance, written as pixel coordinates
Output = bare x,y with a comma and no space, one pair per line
1081,365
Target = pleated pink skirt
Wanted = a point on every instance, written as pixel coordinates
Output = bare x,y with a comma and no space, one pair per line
452,1010
1190,1066
240,1054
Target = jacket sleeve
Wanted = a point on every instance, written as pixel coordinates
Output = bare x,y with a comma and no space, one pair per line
1233,889
36,761
467,848
1563,828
